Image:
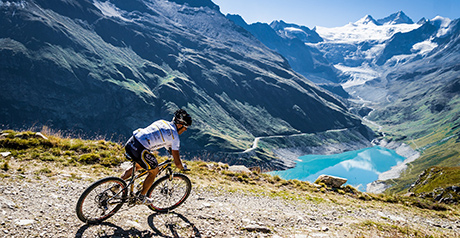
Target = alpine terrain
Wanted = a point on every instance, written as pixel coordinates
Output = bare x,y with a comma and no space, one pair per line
401,77
78,76
106,68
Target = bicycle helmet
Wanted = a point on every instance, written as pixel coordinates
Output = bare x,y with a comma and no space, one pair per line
182,117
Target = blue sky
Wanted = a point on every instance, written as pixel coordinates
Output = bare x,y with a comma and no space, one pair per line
334,13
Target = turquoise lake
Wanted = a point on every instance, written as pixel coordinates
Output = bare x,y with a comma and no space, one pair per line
360,167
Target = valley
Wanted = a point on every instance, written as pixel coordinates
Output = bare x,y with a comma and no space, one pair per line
260,94
396,75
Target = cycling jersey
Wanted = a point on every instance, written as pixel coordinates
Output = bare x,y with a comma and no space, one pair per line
159,134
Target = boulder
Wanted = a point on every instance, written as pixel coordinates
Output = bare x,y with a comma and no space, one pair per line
239,169
5,154
257,228
331,181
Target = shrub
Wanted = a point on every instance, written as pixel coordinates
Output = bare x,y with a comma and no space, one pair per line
350,189
47,157
110,161
426,204
56,151
89,158
43,171
5,166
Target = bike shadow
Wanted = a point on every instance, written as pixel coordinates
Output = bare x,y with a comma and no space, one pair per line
167,225
173,223
107,229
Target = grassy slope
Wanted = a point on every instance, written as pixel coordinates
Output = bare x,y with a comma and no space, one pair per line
80,158
426,118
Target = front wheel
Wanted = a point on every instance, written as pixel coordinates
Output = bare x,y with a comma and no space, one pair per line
101,200
169,194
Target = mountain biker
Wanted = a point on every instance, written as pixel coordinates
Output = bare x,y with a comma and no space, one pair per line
160,134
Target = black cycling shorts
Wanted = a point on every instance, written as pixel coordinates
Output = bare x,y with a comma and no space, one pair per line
140,154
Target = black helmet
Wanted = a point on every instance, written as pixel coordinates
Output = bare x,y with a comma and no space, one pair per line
182,117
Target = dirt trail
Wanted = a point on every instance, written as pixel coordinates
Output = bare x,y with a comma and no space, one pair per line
40,206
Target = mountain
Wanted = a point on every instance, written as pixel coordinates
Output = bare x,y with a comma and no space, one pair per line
110,67
291,31
291,41
411,86
366,20
424,102
395,18
403,43
400,75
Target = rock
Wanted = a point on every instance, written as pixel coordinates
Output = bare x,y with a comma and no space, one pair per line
331,181
134,224
409,194
40,135
5,154
24,222
6,203
239,169
257,228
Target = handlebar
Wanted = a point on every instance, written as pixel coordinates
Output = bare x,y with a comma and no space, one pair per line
170,161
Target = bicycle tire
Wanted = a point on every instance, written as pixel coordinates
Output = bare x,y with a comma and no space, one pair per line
92,206
168,198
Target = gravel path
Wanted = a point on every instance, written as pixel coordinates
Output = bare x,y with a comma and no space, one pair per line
45,207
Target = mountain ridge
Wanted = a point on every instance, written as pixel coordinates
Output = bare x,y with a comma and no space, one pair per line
303,58
112,67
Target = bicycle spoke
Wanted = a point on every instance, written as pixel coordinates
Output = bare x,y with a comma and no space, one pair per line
167,194
101,200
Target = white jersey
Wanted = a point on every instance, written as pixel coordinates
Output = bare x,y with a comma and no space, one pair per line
159,134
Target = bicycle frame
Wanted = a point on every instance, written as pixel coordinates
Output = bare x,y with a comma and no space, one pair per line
164,166
105,197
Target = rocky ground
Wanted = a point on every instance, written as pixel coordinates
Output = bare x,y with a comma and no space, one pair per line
35,205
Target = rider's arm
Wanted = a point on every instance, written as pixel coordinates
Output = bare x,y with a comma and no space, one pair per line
177,160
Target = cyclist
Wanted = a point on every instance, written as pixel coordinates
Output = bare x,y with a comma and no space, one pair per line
160,134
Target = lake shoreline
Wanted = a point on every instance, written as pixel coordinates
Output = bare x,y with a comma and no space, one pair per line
379,186
291,156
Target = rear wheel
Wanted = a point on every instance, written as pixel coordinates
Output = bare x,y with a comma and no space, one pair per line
169,194
101,200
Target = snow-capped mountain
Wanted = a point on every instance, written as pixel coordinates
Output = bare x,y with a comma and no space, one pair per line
291,31
361,51
366,20
395,18
290,41
364,50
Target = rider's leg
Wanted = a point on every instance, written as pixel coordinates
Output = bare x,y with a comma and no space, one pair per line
149,180
129,172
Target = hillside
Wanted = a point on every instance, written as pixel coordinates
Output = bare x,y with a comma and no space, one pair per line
424,107
401,77
292,41
106,68
44,174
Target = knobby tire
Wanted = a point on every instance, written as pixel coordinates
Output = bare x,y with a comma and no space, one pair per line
167,198
95,204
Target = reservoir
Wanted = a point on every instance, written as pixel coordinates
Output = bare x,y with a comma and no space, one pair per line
360,167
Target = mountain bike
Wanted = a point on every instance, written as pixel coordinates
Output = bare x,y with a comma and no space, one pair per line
105,197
